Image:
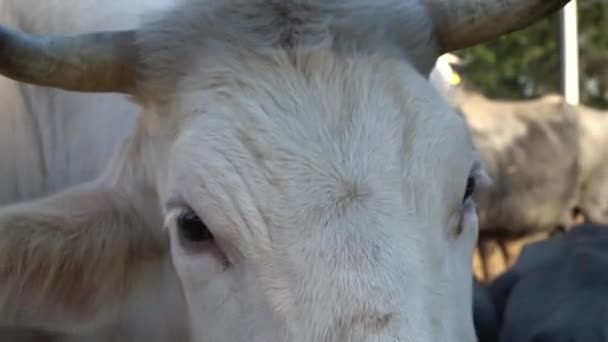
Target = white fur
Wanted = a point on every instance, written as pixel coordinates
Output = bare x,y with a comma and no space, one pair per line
330,196
52,139
332,176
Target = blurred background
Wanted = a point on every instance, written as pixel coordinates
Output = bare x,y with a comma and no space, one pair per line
526,64
536,103
552,79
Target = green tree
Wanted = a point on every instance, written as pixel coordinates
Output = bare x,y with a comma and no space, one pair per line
526,64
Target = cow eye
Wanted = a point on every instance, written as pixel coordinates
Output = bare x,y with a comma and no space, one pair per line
192,228
470,189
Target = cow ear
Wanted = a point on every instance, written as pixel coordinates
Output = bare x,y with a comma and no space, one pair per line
72,258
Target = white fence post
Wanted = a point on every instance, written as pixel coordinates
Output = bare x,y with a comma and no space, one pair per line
569,52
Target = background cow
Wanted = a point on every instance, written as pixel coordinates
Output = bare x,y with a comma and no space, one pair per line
576,137
592,190
545,158
557,289
255,118
531,151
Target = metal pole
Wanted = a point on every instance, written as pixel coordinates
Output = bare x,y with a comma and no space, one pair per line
569,51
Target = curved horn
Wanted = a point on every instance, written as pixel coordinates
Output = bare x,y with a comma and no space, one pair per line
94,62
464,23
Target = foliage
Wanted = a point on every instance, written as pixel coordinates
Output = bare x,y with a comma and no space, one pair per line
527,63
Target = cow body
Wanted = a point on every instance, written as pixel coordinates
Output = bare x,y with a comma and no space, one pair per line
531,150
555,151
546,158
53,139
592,192
556,290
543,155
50,138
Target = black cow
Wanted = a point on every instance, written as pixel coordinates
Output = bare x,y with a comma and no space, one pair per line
26,335
484,313
558,290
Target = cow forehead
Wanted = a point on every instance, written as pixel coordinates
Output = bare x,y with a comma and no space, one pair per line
343,124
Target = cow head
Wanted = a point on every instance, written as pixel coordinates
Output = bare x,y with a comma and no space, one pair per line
313,184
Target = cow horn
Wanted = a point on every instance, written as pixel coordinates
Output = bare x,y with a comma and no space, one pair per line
464,23
94,62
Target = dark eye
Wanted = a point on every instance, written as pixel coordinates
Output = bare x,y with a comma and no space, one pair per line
470,188
192,228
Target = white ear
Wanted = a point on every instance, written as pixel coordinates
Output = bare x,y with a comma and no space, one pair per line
70,260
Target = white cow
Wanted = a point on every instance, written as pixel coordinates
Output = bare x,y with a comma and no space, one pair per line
313,184
51,139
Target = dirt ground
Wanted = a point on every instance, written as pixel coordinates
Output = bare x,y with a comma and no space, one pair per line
497,264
